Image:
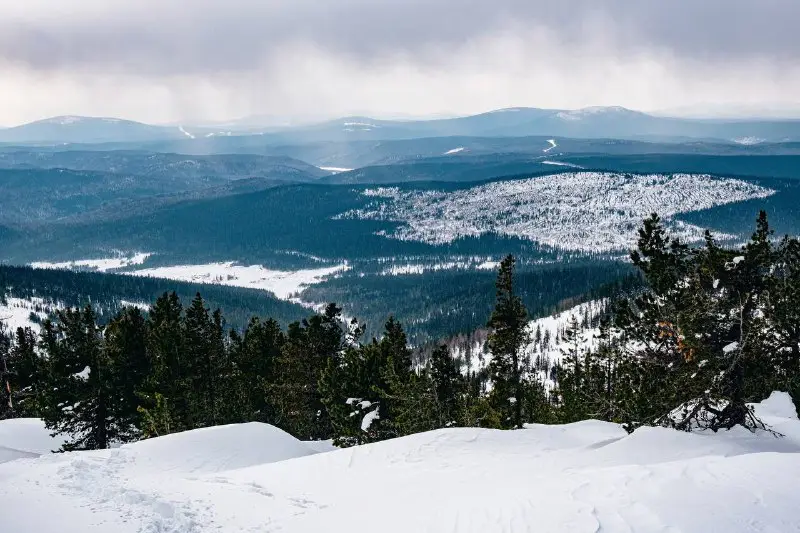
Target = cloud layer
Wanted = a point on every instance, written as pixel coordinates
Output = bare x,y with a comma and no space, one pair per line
163,60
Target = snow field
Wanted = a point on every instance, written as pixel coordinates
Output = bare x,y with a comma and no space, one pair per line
283,284
101,265
584,477
16,312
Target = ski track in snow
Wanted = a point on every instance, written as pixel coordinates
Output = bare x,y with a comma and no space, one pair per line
454,151
180,128
561,164
585,477
582,211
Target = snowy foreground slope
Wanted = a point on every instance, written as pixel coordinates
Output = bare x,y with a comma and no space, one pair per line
583,477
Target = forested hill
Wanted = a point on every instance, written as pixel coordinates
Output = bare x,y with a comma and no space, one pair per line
107,292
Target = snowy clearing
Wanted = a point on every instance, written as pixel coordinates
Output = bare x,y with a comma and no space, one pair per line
586,211
16,312
552,145
584,477
283,284
335,170
561,164
100,265
454,151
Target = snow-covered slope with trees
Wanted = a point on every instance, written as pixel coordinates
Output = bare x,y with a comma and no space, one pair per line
584,477
589,211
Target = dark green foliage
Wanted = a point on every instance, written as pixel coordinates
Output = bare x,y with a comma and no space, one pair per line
107,291
716,329
309,348
78,396
507,340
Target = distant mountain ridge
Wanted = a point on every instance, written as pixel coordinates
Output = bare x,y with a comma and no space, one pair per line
592,122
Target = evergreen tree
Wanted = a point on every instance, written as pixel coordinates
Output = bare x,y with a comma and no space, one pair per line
79,397
126,351
448,386
165,395
309,347
255,357
507,341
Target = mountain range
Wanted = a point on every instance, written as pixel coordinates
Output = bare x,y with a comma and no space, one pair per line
591,122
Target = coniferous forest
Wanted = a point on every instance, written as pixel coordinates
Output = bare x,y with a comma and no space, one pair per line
712,330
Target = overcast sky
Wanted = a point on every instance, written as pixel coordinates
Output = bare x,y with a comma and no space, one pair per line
187,60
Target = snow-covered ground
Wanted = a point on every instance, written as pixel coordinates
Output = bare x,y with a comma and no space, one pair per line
584,477
561,164
283,284
548,343
552,143
101,265
587,211
16,312
479,263
335,170
454,151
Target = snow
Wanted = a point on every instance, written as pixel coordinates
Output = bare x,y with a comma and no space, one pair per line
16,312
335,170
580,211
22,438
561,164
283,284
83,374
139,305
461,263
101,265
584,477
551,347
454,151
369,418
489,265
732,347
180,128
738,259
749,141
552,145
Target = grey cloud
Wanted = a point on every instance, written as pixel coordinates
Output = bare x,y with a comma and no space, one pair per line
207,36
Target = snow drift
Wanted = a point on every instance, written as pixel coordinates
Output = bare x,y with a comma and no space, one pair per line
589,476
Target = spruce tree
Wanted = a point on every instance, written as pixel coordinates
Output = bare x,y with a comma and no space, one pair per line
166,393
507,340
78,399
126,350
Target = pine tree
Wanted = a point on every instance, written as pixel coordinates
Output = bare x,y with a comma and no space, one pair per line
78,399
255,358
448,385
166,394
309,347
507,341
126,350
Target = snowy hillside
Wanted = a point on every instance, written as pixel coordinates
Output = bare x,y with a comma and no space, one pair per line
548,340
25,312
584,477
589,211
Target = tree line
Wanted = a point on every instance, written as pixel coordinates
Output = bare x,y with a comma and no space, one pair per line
713,330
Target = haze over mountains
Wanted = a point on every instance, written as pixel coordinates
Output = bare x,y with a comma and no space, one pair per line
591,122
